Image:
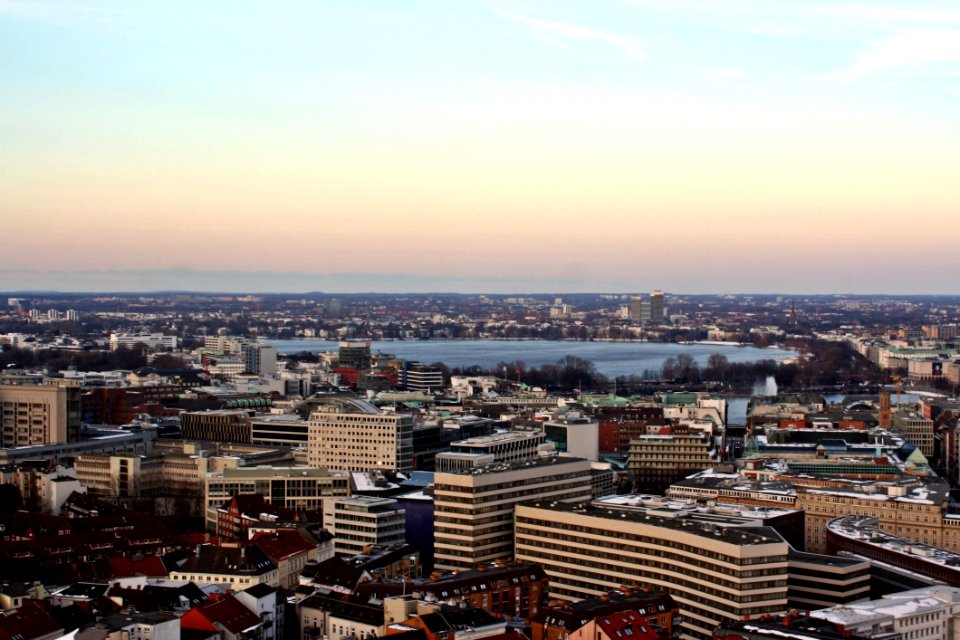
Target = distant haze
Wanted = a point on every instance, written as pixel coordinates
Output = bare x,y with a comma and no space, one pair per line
295,283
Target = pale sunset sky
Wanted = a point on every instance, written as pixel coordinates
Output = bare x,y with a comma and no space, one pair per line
511,146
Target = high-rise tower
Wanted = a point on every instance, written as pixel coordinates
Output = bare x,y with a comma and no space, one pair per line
656,307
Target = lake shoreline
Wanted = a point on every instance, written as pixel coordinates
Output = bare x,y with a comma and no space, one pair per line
611,358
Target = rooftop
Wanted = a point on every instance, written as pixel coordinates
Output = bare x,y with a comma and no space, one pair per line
285,472
500,467
736,535
896,605
865,529
680,507
505,436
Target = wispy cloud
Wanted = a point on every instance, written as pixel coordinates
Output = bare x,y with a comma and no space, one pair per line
806,14
905,51
906,38
626,45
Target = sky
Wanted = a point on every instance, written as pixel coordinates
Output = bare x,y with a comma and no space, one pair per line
452,145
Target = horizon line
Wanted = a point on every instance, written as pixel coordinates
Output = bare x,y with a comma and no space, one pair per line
118,292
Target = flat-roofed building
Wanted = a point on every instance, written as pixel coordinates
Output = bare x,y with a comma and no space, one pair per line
279,430
223,455
908,509
787,522
152,341
418,376
175,483
819,580
791,625
44,487
99,441
918,614
657,461
298,488
507,446
223,425
38,412
733,488
355,354
917,429
473,509
119,476
259,358
362,522
815,580
349,434
861,536
574,433
714,573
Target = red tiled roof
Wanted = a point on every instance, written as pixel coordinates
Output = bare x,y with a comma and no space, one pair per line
150,566
626,625
28,622
282,544
227,611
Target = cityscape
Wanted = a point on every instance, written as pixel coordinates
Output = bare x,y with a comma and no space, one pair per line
329,465
479,320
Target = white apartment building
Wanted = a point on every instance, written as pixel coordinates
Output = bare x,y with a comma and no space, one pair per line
359,522
152,341
931,613
574,433
260,358
224,343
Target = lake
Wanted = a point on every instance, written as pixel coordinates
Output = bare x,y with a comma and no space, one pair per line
611,358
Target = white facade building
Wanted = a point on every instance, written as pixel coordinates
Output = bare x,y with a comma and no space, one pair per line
360,522
930,613
153,341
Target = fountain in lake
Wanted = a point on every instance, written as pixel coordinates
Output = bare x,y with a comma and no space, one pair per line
767,387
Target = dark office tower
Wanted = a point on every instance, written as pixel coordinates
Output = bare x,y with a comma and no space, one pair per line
356,354
225,425
656,307
421,377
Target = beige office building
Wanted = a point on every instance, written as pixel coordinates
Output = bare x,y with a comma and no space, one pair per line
37,412
716,574
473,508
174,482
354,435
299,488
917,513
917,429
